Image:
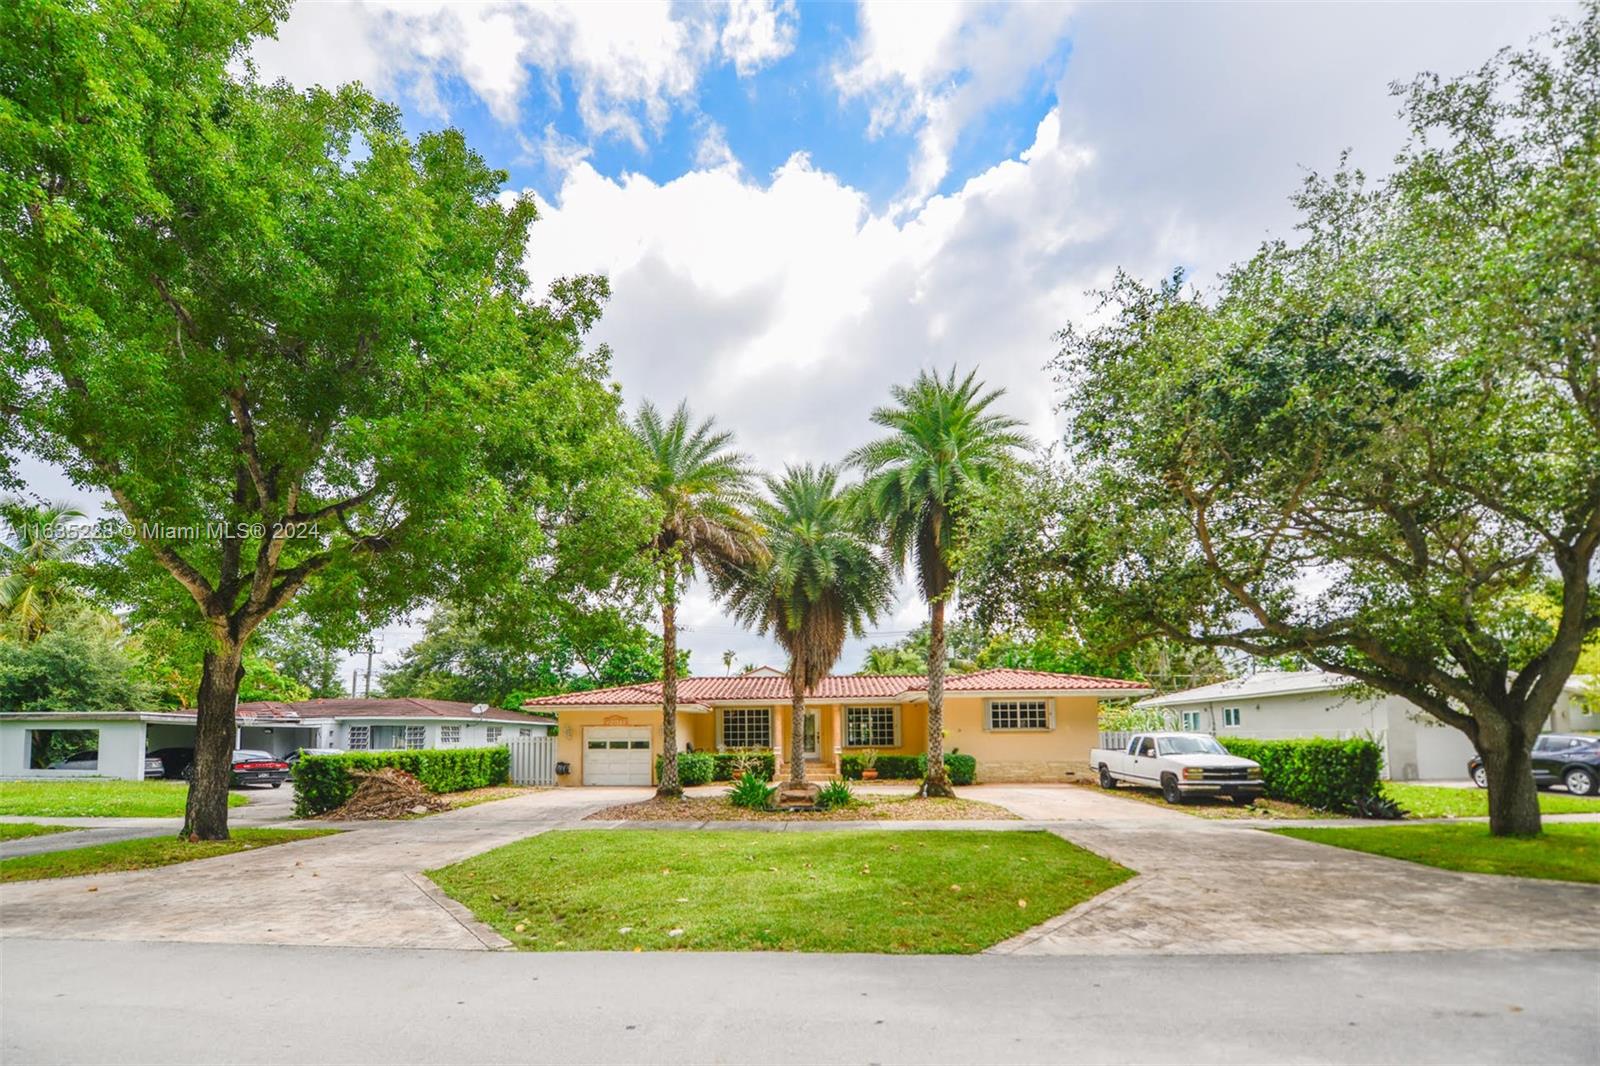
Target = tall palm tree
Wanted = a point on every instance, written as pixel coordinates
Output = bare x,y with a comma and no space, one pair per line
701,486
821,581
943,450
32,549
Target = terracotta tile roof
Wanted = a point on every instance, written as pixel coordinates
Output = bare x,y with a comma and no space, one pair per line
765,688
406,707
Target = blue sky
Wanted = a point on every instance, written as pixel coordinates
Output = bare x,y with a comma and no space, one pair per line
799,205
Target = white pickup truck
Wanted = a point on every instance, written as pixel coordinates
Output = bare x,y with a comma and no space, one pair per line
1180,765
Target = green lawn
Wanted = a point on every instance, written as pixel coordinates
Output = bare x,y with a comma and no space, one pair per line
142,854
18,830
1566,852
913,892
98,799
1434,801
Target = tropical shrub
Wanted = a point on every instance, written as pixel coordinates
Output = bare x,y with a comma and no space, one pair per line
732,765
751,791
835,794
1330,775
961,769
323,782
694,767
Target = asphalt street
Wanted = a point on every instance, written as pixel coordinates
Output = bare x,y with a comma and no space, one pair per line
94,1001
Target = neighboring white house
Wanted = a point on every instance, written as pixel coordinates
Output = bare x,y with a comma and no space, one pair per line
124,737
1274,704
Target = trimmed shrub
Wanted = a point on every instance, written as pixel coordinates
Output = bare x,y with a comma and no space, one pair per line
962,769
731,765
1330,775
694,767
323,782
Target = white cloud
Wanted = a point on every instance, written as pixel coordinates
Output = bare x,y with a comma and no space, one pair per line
628,63
938,68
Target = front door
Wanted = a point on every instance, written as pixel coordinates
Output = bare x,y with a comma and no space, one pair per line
809,740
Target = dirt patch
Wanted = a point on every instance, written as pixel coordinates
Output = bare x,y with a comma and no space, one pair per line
386,793
864,809
474,796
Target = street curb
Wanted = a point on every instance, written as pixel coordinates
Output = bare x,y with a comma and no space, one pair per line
485,934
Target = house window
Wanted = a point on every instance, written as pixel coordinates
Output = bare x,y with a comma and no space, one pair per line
493,732
360,737
524,732
747,728
415,736
1191,721
1230,716
871,727
449,734
1016,715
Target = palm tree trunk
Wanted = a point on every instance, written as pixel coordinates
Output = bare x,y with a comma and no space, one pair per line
936,783
205,815
668,787
797,727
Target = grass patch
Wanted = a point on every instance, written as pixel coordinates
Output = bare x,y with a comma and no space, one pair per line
1434,801
948,892
1564,852
143,854
19,830
99,799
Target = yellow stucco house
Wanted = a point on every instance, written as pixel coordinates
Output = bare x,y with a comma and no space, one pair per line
1021,725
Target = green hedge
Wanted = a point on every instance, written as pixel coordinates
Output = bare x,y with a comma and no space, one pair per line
694,767
323,782
962,769
1330,775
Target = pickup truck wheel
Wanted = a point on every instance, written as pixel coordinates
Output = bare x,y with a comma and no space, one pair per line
1170,790
1106,780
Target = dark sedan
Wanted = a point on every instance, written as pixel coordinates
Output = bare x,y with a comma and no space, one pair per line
1558,759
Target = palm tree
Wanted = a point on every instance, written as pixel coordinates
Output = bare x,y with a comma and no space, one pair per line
943,451
700,486
821,581
32,549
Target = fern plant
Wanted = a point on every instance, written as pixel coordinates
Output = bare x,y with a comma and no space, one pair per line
835,794
752,792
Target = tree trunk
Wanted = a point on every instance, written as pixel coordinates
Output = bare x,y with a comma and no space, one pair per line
205,815
1513,797
936,783
797,729
668,787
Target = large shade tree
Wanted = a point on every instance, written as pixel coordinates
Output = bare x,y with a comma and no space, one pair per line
944,450
289,342
700,488
821,582
1375,449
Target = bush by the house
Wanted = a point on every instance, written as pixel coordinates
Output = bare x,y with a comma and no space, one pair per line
835,794
694,767
732,765
751,791
1330,775
962,769
323,782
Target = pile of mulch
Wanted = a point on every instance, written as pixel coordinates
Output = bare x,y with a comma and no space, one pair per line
866,808
386,793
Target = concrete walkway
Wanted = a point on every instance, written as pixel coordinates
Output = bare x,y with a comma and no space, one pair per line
1204,886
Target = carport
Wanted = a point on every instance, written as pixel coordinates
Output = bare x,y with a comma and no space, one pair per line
121,737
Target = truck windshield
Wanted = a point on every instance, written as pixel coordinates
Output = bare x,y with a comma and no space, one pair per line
1190,746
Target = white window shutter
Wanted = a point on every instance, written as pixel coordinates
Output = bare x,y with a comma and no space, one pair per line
988,714
1050,706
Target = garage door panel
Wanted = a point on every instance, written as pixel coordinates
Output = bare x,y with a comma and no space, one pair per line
617,755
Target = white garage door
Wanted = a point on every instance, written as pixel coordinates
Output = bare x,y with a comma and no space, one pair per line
616,755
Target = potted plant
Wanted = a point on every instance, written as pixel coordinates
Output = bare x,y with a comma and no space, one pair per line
869,765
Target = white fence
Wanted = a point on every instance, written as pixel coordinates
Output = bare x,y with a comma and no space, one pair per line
533,761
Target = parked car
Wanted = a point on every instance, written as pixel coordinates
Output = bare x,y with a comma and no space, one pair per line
294,756
1180,765
258,768
1568,759
78,760
175,762
154,767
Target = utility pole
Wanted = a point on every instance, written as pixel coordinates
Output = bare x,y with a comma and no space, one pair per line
366,688
355,672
